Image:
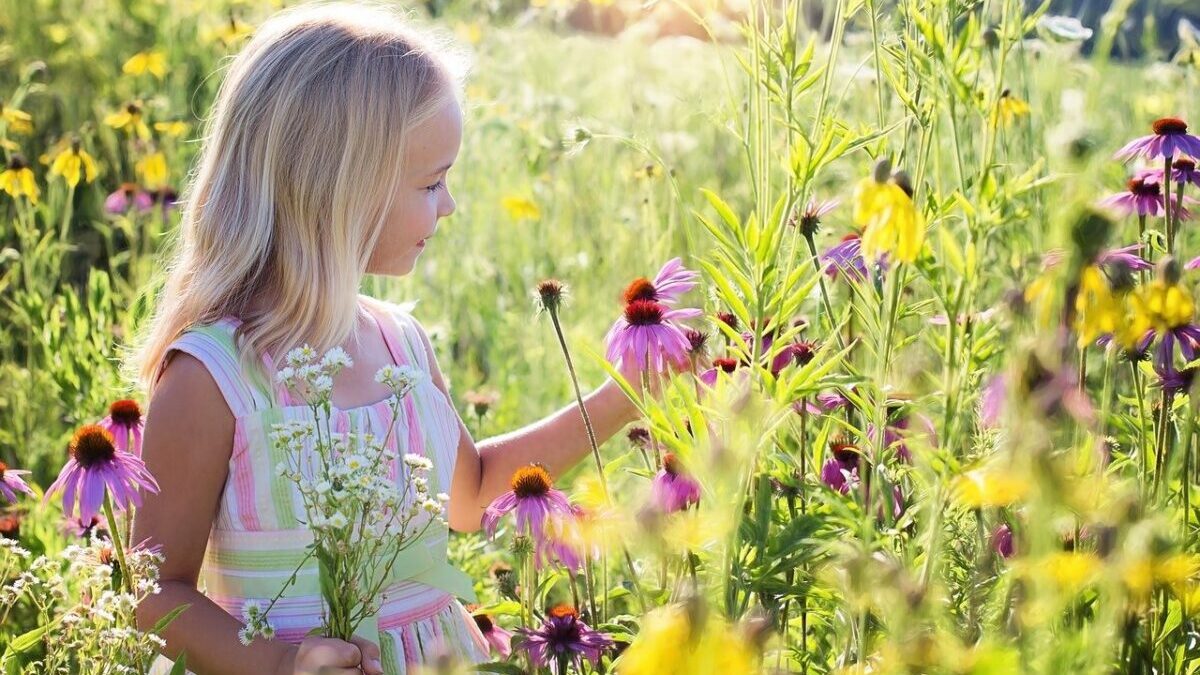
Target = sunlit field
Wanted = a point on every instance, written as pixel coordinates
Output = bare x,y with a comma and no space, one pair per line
933,413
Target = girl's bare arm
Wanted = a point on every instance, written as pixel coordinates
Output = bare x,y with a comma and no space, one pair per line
558,441
187,446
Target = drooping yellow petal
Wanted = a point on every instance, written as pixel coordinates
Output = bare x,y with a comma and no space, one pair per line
990,486
154,62
18,121
172,129
891,221
1098,310
153,170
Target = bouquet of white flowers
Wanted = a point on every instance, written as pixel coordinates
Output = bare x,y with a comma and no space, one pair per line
360,517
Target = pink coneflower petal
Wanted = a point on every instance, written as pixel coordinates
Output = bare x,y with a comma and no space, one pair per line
1170,138
673,280
11,483
1127,256
532,498
673,489
97,467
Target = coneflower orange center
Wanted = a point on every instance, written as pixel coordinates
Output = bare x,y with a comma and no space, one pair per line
844,452
644,313
484,622
91,445
1170,125
563,611
3,468
531,481
640,289
671,464
726,365
125,412
1141,188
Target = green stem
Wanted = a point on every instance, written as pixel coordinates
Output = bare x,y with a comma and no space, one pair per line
118,544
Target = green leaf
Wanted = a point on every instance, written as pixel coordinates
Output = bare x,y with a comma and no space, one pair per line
162,623
180,666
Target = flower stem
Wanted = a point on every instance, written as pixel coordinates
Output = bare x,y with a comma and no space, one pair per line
115,532
587,420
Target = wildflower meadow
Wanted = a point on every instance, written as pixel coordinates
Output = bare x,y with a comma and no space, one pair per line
904,293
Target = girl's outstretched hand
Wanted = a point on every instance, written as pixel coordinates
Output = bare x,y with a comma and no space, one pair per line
330,656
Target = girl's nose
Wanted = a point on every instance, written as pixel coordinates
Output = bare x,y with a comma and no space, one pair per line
447,205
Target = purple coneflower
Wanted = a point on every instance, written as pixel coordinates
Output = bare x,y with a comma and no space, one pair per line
1142,197
564,638
800,353
534,499
1126,256
565,541
991,402
840,472
823,403
646,333
11,483
78,527
1002,541
720,365
119,200
1170,138
125,423
96,466
810,218
846,258
673,489
672,281
499,639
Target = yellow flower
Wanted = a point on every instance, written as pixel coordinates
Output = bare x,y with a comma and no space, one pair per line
229,32
154,62
18,121
17,180
892,222
129,119
667,645
1158,305
172,129
73,162
521,207
1097,310
1008,108
990,486
1071,570
153,169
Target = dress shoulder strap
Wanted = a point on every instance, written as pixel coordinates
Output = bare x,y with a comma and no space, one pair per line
400,331
214,345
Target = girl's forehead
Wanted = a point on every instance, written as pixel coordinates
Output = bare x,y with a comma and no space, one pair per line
436,140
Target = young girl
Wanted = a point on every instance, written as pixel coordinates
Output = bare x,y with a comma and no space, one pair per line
325,159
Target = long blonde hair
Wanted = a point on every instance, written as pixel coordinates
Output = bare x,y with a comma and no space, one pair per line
302,155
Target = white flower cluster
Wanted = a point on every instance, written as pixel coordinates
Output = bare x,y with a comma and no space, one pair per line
254,613
92,626
360,503
400,379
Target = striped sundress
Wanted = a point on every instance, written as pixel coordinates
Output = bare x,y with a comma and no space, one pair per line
257,538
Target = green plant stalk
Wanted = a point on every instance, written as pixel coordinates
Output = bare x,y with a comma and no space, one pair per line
118,545
587,420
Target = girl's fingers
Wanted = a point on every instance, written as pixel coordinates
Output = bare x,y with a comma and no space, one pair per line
370,656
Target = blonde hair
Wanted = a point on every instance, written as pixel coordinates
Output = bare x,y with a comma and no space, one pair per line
302,154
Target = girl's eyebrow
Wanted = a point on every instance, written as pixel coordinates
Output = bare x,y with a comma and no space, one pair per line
444,168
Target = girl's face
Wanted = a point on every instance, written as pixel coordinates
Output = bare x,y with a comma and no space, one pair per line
424,196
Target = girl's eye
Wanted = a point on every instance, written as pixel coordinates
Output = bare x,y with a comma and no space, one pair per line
436,186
